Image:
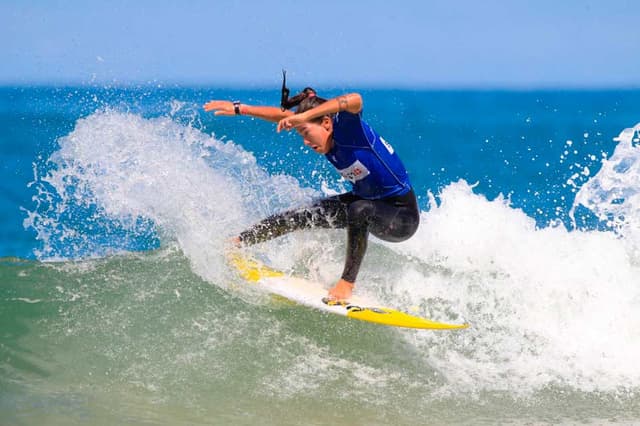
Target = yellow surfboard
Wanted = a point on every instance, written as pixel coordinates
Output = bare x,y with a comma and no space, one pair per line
312,294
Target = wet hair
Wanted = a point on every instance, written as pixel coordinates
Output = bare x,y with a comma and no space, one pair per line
304,101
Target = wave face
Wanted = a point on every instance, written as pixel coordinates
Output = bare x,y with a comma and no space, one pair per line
131,304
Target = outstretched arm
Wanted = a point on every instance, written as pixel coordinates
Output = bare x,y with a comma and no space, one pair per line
268,113
351,103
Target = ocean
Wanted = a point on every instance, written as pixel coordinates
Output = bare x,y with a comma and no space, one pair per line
117,306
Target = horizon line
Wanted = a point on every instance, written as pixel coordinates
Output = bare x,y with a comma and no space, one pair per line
156,84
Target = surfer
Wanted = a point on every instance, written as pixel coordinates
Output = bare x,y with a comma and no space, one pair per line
382,201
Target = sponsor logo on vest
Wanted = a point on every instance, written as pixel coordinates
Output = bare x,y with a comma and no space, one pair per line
354,172
387,145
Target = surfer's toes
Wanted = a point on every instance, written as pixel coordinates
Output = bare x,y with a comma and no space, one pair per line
334,302
234,242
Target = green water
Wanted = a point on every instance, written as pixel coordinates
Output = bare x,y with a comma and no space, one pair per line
140,339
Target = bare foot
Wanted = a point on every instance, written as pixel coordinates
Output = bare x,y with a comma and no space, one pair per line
234,242
341,291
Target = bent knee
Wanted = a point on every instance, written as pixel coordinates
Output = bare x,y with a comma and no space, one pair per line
398,230
360,212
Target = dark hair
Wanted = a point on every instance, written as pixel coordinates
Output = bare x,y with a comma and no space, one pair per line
304,101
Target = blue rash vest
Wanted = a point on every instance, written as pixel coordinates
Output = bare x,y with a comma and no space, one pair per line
365,159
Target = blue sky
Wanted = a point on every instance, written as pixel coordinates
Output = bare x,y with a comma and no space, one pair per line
465,43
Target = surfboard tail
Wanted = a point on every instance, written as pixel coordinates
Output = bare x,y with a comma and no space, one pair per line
251,269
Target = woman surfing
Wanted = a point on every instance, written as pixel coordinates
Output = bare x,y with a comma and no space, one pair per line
381,202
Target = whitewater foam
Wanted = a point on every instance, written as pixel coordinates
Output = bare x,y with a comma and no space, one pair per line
121,174
547,306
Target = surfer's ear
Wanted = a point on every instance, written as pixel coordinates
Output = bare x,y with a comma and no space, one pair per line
327,123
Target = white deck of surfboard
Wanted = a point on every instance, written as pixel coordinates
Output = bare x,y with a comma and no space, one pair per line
310,293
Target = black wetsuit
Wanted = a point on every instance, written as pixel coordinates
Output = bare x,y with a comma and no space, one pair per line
382,201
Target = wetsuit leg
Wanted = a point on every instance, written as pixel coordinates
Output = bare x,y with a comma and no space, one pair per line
393,219
326,213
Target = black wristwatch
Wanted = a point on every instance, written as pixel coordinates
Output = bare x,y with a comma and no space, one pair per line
236,107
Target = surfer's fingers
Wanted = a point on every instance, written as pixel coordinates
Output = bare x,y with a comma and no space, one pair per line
286,124
221,105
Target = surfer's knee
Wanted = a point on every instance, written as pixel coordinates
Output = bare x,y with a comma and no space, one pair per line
397,232
360,212
400,227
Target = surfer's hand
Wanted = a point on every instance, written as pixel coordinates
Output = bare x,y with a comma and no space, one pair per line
290,122
341,291
220,107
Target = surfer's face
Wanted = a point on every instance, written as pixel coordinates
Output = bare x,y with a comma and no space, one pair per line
317,136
